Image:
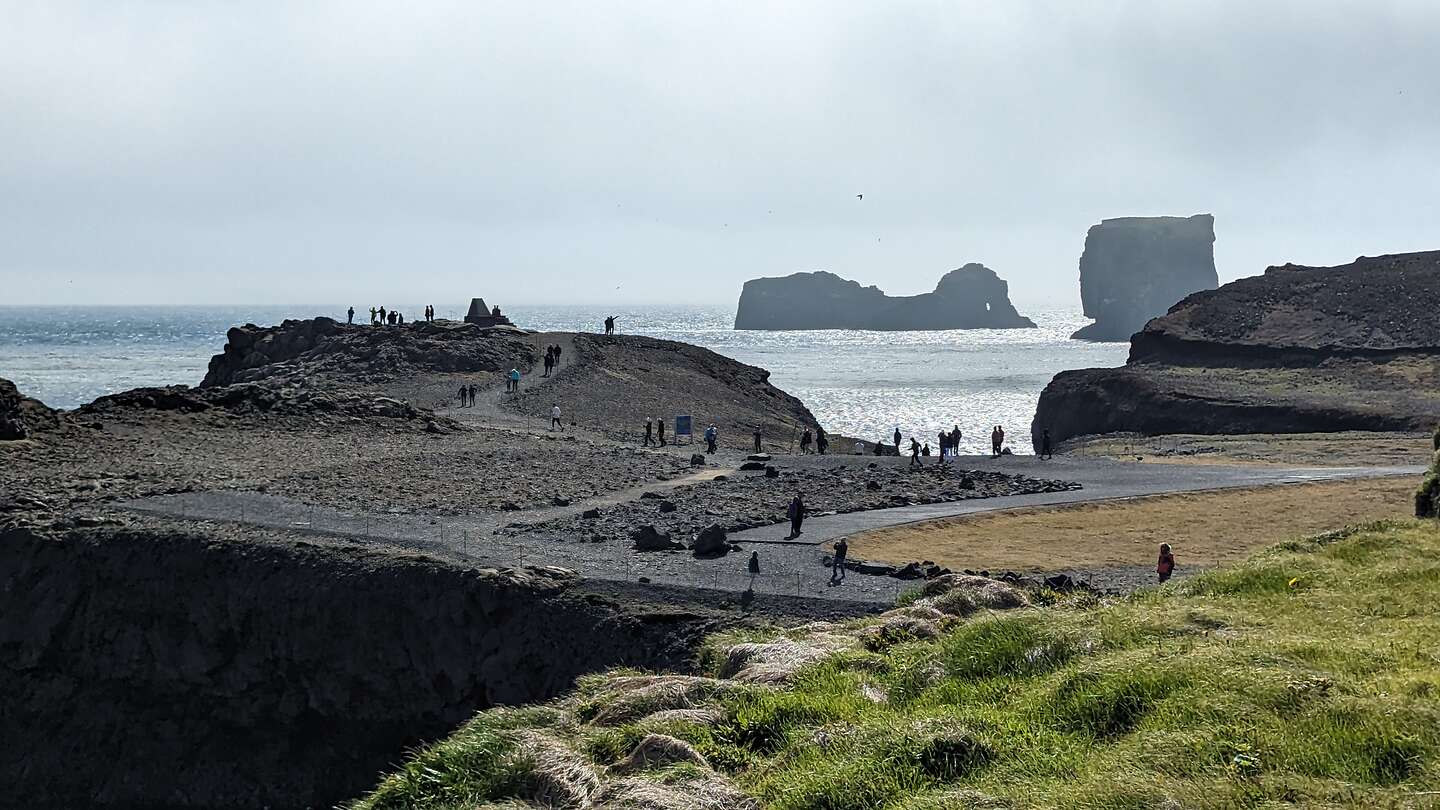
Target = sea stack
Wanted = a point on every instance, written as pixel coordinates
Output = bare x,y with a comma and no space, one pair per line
1134,268
971,297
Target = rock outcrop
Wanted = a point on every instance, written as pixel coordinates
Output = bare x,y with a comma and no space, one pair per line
1135,268
146,669
323,348
20,415
972,297
1298,349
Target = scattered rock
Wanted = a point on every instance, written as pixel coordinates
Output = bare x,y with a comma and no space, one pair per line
752,466
590,514
667,507
711,542
771,472
648,538
697,460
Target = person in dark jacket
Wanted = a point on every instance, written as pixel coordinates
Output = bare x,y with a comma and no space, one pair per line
796,513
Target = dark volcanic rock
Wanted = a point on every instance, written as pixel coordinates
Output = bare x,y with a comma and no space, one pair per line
711,542
1134,268
648,538
19,414
972,297
301,350
1299,349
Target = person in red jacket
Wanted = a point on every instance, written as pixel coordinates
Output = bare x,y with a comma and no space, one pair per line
1165,566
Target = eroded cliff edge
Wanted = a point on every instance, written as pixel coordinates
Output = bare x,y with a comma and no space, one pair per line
971,297
1298,349
154,667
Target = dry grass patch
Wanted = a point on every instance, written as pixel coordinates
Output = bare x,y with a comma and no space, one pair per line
1205,528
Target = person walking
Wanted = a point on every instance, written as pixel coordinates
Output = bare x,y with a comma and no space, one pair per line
805,442
796,513
350,315
473,389
557,355
754,564
649,433
821,440
944,445
555,423
955,437
549,362
756,434
897,440
515,380
1045,445
660,430
1165,566
914,452
712,434
837,569
463,392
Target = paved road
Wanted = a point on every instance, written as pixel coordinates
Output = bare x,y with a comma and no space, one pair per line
1102,479
791,568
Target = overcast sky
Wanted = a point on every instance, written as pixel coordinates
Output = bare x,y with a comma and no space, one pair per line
255,152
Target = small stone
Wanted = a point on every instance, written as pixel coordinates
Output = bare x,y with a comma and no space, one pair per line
771,472
667,507
590,514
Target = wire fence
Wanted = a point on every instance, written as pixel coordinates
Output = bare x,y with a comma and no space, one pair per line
788,571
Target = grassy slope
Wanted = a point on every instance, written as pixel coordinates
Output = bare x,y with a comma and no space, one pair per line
1308,674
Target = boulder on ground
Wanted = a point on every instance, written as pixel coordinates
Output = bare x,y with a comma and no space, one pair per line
648,538
758,457
771,472
19,414
752,466
697,459
667,506
711,542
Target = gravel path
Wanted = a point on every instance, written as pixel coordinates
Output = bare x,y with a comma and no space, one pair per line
791,568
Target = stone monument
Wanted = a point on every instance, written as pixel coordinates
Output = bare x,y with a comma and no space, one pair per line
480,315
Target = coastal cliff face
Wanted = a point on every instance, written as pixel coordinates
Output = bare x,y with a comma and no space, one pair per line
1135,268
161,669
972,297
20,415
1298,349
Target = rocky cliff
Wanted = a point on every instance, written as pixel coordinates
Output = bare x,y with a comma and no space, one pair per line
1134,268
302,351
1298,349
20,415
161,669
972,297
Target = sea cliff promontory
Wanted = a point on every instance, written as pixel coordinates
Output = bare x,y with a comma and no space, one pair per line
971,297
1134,268
1298,349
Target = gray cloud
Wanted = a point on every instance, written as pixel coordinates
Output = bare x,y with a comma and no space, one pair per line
210,152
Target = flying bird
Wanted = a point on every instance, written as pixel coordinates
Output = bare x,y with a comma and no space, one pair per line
860,196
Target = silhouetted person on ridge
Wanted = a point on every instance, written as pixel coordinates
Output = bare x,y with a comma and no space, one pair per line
1045,445
372,316
350,315
382,314
914,452
897,440
610,325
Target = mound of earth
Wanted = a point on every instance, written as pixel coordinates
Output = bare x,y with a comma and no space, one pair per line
614,384
971,297
1134,268
20,415
1296,350
324,349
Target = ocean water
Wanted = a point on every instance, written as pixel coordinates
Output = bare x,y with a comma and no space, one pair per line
861,384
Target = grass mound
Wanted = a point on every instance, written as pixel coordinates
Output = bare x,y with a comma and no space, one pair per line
1308,675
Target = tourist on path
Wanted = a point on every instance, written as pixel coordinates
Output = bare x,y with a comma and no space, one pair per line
1165,566
712,434
805,442
1045,445
473,389
649,433
821,440
837,570
914,452
796,513
660,431
549,361
515,380
754,564
555,423
463,393
557,355
350,315
756,434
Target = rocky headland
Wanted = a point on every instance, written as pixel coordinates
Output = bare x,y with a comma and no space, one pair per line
971,297
1135,268
1296,350
203,655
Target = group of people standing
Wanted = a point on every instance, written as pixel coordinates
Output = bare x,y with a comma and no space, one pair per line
552,359
379,316
822,442
467,395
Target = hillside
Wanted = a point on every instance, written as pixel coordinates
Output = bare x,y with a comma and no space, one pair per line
1303,676
1296,350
